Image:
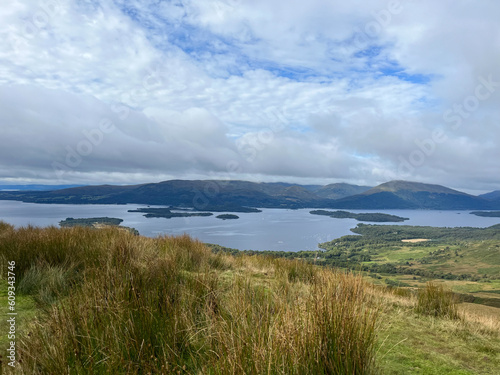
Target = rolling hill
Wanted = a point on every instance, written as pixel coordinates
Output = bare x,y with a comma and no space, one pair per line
493,196
340,190
185,193
414,195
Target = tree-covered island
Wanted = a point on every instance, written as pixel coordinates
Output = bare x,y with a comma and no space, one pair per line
486,213
375,217
227,217
167,213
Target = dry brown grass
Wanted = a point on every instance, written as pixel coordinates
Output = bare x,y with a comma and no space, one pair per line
481,318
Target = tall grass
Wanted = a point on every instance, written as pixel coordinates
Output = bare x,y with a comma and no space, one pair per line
115,303
436,300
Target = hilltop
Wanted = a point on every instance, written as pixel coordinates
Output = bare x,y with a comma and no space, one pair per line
494,195
340,190
414,195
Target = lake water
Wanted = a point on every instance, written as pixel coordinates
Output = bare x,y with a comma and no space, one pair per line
272,229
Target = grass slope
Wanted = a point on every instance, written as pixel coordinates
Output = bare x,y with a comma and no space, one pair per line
107,302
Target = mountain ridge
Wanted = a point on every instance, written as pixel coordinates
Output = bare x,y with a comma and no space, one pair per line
415,195
494,195
206,194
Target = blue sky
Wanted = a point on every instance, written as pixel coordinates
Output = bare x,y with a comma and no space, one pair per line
306,92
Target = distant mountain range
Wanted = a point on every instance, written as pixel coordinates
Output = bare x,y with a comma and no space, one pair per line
34,187
220,195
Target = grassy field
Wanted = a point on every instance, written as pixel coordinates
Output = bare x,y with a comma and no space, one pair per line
478,262
107,302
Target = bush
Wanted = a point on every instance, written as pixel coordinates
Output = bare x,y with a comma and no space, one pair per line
435,300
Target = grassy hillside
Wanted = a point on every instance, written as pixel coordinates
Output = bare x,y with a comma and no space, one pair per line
107,302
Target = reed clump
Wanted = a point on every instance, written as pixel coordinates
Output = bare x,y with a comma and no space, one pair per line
435,300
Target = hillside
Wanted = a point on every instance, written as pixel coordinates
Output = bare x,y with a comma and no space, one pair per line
340,190
107,302
183,193
494,195
414,195
204,195
462,253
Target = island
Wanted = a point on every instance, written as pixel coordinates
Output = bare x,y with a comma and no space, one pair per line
97,223
228,208
227,217
90,222
375,217
167,213
486,213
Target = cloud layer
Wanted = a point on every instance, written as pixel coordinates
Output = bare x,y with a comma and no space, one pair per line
318,91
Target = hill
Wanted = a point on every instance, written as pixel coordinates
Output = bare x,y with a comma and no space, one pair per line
34,187
233,195
340,190
414,195
493,196
182,193
107,302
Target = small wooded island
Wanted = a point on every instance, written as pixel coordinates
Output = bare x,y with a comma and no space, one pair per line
167,213
227,217
375,217
486,213
96,222
90,222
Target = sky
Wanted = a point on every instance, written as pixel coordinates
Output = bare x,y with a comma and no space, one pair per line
311,92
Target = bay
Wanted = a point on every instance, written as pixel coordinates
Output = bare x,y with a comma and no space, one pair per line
272,229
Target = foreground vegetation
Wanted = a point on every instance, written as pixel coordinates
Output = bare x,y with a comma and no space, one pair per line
107,302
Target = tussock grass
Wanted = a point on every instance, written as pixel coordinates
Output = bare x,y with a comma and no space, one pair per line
47,283
4,227
436,300
295,270
115,303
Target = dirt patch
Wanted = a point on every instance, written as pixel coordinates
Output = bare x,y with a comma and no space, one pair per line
414,240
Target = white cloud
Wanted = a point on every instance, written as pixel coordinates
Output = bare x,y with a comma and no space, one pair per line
345,89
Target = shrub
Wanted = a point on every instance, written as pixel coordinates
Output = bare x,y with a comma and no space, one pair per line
437,301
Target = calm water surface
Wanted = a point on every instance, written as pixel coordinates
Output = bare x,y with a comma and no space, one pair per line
272,229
